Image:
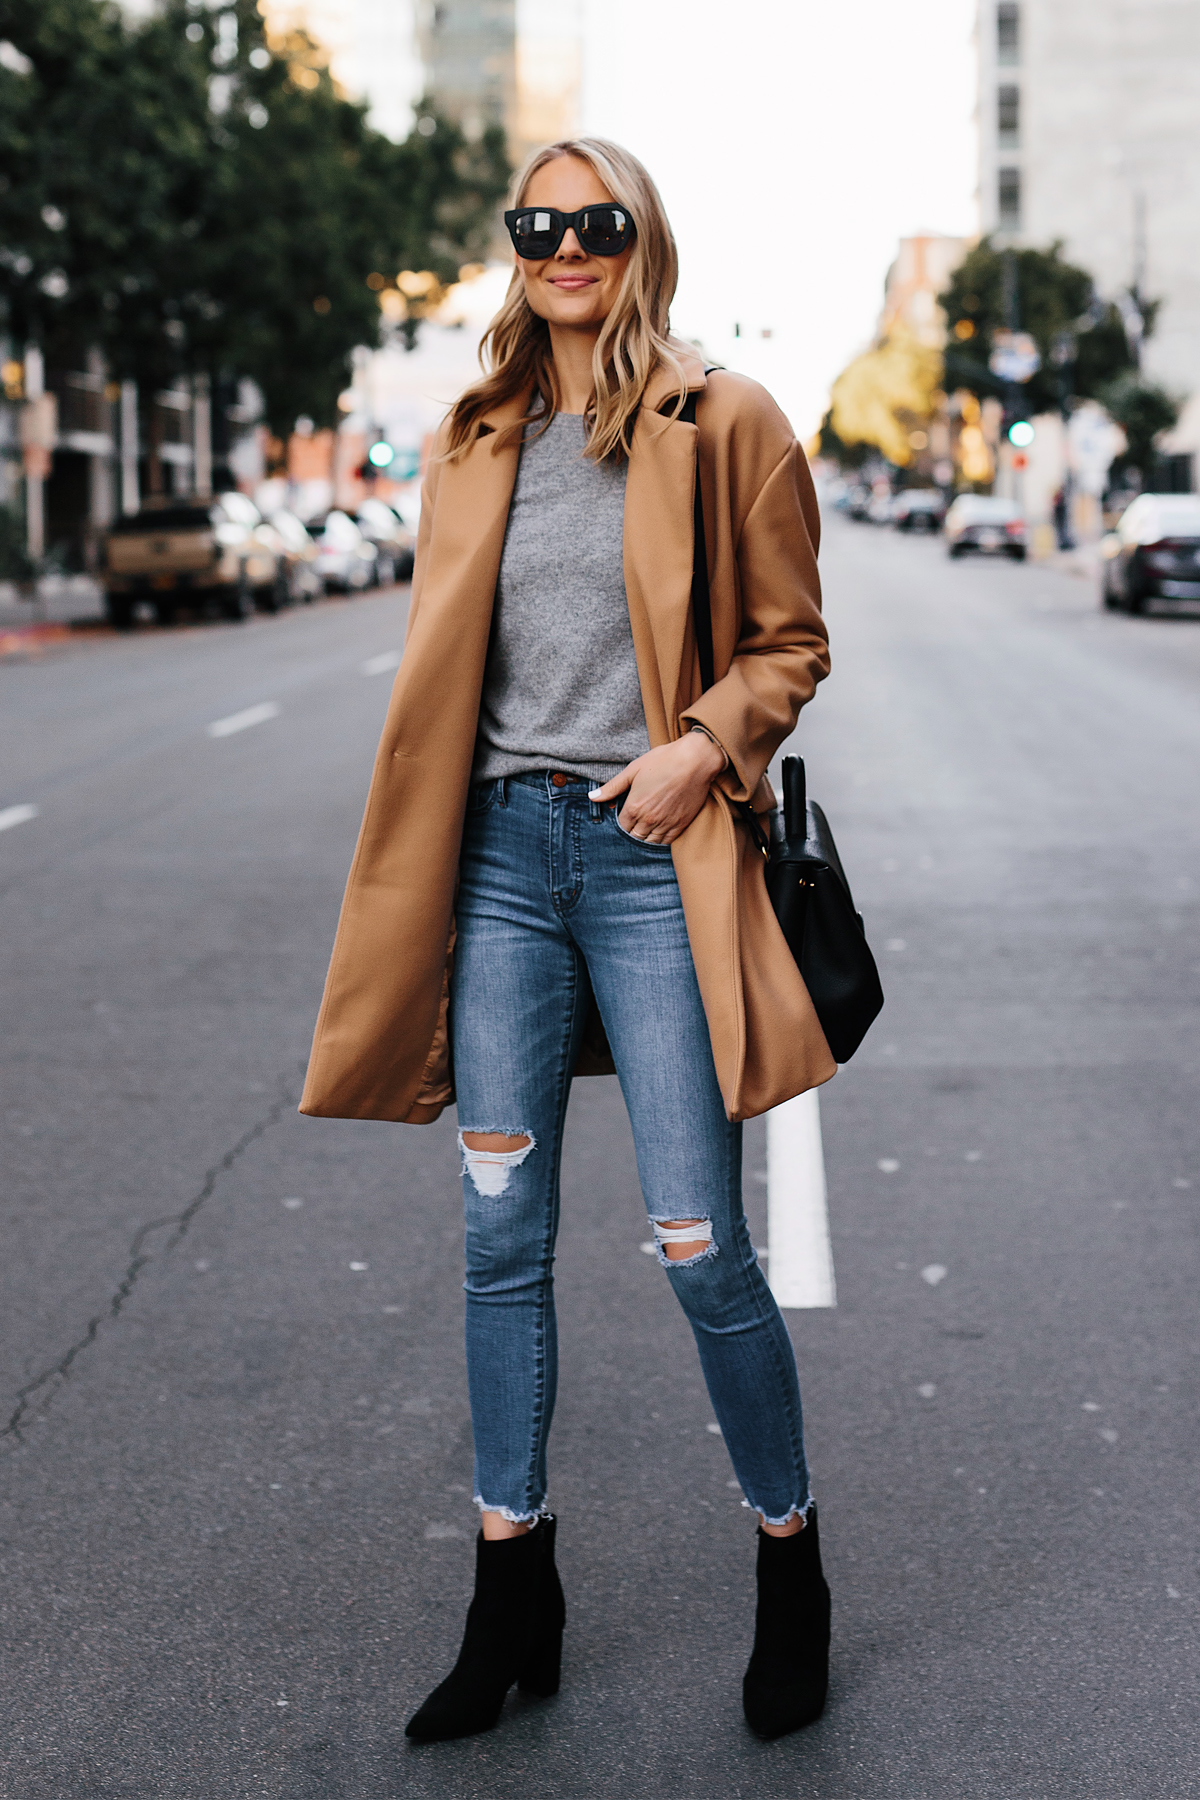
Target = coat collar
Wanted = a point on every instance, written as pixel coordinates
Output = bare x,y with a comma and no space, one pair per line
663,385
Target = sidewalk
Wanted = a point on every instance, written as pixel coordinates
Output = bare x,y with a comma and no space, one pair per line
61,601
1083,560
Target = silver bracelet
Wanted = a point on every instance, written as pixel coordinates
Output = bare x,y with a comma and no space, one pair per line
695,726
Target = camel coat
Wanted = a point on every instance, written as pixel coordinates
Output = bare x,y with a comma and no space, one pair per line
381,1048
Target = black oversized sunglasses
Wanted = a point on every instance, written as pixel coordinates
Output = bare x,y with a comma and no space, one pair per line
537,231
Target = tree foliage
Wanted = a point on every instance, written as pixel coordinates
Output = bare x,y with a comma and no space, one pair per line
188,197
1082,341
883,393
1142,410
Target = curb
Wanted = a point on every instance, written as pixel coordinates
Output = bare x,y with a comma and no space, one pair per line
17,639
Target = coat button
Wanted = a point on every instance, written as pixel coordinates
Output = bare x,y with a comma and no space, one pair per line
559,779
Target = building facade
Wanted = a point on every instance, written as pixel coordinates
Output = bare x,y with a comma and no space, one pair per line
469,52
1089,129
921,272
371,48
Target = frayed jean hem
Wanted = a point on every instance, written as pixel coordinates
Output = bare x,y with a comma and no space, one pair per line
513,1518
793,1512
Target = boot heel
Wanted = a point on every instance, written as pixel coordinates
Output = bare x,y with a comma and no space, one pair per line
542,1668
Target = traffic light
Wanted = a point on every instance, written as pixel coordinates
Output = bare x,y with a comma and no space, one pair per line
380,455
1020,434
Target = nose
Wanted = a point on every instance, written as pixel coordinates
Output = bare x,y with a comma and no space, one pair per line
570,245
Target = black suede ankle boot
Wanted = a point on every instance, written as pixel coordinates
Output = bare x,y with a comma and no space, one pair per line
784,1686
514,1633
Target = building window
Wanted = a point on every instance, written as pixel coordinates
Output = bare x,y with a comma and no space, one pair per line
1008,33
1008,117
1009,194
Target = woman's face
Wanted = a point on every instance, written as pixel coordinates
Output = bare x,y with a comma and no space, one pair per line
571,288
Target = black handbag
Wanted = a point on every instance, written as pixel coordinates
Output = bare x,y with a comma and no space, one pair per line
806,883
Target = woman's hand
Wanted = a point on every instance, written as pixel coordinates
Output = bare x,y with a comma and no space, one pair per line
666,787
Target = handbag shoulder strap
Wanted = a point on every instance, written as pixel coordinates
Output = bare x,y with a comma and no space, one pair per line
701,601
702,610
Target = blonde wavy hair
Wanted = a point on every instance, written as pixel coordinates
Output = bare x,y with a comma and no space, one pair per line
634,340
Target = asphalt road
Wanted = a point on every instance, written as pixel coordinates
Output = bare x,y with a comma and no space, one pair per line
236,1529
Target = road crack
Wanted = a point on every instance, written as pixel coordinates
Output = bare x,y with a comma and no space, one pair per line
47,1384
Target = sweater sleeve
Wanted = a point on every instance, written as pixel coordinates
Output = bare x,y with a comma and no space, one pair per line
782,649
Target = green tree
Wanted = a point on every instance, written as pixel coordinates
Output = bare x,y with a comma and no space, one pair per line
1081,340
189,198
16,564
101,161
307,206
1142,410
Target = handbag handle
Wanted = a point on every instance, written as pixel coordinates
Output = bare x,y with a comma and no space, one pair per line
795,799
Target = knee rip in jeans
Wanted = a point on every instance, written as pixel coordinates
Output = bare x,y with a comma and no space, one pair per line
489,1157
683,1241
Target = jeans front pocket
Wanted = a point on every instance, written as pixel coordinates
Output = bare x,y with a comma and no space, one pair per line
642,844
481,797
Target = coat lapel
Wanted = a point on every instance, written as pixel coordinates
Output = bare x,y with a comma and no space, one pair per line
446,651
658,533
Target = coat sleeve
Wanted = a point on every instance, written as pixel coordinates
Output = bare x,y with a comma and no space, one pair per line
782,649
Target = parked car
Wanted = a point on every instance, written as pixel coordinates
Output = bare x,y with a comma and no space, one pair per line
300,554
345,559
919,509
1154,554
394,542
986,523
857,501
879,507
214,556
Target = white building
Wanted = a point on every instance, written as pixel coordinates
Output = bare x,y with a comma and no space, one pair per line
1089,126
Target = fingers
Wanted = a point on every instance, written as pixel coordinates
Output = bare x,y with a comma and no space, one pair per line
653,834
616,786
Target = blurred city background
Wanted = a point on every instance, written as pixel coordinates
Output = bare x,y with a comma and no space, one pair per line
253,247
247,253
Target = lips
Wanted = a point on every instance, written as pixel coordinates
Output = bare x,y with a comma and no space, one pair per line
573,284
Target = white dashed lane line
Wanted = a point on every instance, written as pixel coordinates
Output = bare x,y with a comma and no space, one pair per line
801,1265
242,721
382,664
16,815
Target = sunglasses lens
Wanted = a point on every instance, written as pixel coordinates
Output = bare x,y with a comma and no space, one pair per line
605,230
535,234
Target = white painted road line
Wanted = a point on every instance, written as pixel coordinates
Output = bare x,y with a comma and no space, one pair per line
16,815
382,664
242,721
801,1263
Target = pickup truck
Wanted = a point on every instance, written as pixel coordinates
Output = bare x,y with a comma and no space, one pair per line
216,556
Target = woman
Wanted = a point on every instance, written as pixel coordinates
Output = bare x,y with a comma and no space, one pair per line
557,800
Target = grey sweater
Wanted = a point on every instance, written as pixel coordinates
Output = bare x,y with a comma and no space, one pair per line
561,688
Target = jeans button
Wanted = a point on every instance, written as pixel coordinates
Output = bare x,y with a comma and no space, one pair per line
559,779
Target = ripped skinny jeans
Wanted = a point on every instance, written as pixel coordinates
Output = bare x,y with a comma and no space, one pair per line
556,902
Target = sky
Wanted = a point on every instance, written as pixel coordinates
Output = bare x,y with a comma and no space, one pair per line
794,142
